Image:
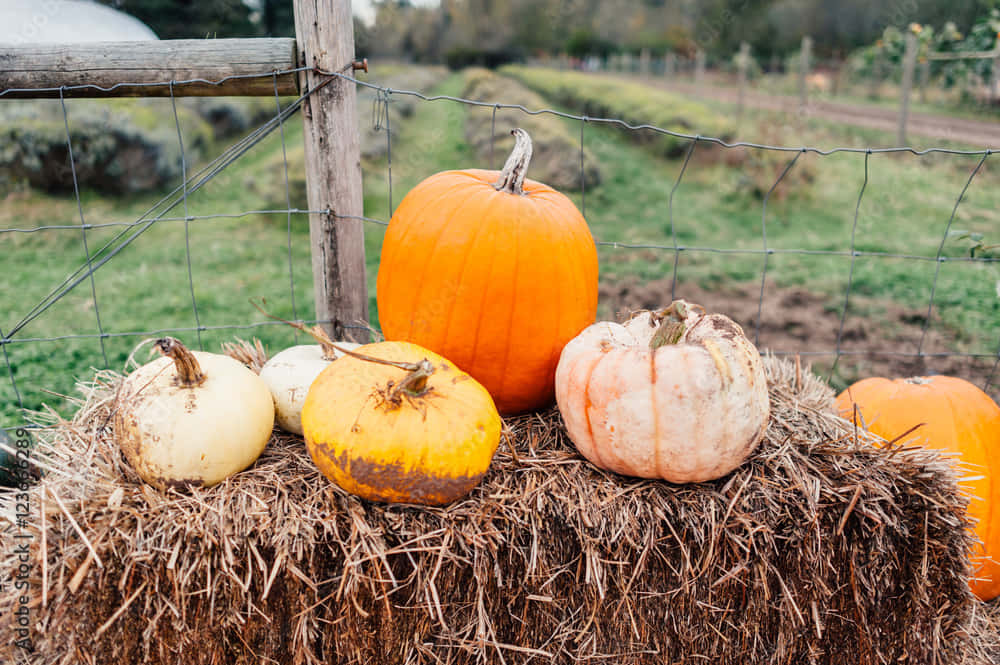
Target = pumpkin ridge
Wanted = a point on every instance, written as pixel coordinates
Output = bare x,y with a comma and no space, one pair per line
555,277
429,263
657,453
482,308
981,453
453,311
587,403
514,291
400,243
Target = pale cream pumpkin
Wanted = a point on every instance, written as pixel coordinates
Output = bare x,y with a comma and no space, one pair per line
676,394
192,418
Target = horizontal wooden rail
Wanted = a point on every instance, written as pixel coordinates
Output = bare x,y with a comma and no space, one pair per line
238,67
967,55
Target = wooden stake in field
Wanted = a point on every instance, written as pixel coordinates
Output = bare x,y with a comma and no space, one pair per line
876,75
909,65
699,68
742,62
805,56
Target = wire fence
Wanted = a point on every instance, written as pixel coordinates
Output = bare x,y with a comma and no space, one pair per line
27,327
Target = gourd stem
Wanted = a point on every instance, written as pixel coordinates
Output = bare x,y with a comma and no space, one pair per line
671,324
316,332
188,370
415,383
516,167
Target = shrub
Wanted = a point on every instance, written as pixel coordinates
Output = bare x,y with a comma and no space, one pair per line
119,146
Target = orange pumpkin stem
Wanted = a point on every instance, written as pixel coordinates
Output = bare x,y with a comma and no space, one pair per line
516,167
188,370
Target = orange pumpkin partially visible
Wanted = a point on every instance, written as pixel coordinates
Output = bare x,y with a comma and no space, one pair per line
495,272
955,416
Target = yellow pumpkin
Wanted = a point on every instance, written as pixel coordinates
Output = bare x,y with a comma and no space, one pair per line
397,423
953,415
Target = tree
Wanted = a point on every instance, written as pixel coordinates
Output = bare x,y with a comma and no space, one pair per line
191,19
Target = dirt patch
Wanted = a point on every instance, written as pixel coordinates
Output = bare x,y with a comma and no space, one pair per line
794,321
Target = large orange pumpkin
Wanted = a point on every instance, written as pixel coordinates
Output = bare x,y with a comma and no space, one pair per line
492,271
955,416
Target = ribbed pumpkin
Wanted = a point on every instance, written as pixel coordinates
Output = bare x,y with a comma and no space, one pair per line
412,428
492,271
676,394
955,416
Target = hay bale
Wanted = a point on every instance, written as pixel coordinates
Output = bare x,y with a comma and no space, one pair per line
820,549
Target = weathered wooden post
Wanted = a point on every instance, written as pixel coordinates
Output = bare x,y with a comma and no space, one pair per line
876,76
699,68
995,80
742,62
925,77
324,32
805,57
909,64
644,60
669,65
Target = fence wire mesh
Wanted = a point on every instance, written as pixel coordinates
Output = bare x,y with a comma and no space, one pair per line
28,328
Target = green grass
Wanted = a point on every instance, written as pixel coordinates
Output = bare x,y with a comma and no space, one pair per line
904,210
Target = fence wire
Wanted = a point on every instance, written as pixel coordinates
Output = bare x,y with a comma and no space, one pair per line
193,180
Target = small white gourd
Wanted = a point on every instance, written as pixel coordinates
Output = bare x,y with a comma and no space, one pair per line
289,374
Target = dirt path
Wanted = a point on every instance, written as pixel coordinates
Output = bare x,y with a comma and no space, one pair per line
938,128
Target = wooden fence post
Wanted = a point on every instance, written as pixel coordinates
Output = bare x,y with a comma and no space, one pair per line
925,77
324,31
699,68
644,59
805,56
876,77
995,81
909,64
742,61
669,65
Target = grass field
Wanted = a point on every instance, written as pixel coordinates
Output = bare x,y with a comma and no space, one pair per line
717,206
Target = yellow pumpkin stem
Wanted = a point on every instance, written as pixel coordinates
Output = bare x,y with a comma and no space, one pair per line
188,370
516,167
316,332
415,383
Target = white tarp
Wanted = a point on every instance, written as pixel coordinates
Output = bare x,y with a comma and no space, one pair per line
67,21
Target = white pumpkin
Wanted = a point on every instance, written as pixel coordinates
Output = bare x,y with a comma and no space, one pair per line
192,418
289,374
676,394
